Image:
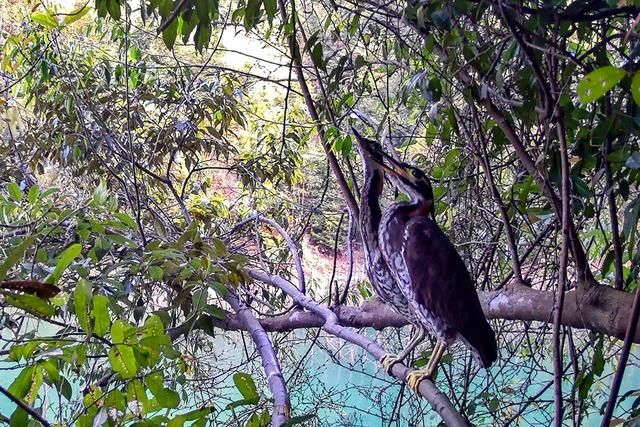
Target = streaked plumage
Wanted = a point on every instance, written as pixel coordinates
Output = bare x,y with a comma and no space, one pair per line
435,281
376,268
429,271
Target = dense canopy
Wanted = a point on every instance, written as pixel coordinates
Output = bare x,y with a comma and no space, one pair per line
180,194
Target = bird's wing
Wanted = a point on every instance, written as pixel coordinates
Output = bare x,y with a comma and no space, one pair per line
443,285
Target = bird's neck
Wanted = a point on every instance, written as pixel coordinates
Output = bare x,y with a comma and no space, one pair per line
404,210
370,213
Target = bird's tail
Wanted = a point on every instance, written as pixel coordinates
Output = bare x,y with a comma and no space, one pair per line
483,345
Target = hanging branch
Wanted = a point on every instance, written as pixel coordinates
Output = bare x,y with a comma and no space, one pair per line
294,50
347,284
277,385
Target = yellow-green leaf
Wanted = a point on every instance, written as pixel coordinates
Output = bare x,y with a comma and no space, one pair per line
15,256
153,326
30,303
598,82
76,14
65,258
45,19
14,191
123,360
635,88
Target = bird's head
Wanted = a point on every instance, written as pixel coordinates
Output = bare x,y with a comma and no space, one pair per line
410,180
369,150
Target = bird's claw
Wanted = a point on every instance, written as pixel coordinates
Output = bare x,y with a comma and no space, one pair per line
387,361
414,378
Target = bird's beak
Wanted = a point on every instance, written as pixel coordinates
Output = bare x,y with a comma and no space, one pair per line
391,165
366,145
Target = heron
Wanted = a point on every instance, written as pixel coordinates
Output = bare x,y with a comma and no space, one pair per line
381,278
429,271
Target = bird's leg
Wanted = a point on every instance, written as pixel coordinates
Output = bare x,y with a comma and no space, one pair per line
417,339
388,360
415,377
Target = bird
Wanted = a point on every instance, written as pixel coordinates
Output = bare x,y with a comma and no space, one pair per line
429,271
381,278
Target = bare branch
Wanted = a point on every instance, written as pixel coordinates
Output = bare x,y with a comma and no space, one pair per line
438,400
277,385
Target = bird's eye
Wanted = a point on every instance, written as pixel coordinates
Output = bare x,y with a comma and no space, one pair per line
417,173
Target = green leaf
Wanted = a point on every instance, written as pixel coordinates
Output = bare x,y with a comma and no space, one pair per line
216,312
202,11
598,357
169,34
270,8
100,193
245,385
21,385
45,19
581,187
598,82
251,13
631,213
585,384
33,194
317,56
123,360
14,191
202,36
134,53
165,397
30,303
635,88
65,258
100,315
82,297
156,273
118,330
113,6
15,256
153,326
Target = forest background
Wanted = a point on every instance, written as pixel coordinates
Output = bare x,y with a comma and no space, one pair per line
179,205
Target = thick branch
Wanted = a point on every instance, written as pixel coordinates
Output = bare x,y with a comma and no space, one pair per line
270,363
608,312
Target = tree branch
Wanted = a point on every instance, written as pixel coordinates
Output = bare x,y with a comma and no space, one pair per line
609,313
28,409
313,112
331,324
277,385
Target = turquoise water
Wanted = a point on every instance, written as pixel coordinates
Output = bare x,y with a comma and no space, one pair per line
344,387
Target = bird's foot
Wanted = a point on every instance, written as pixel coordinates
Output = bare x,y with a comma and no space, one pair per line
415,378
388,360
